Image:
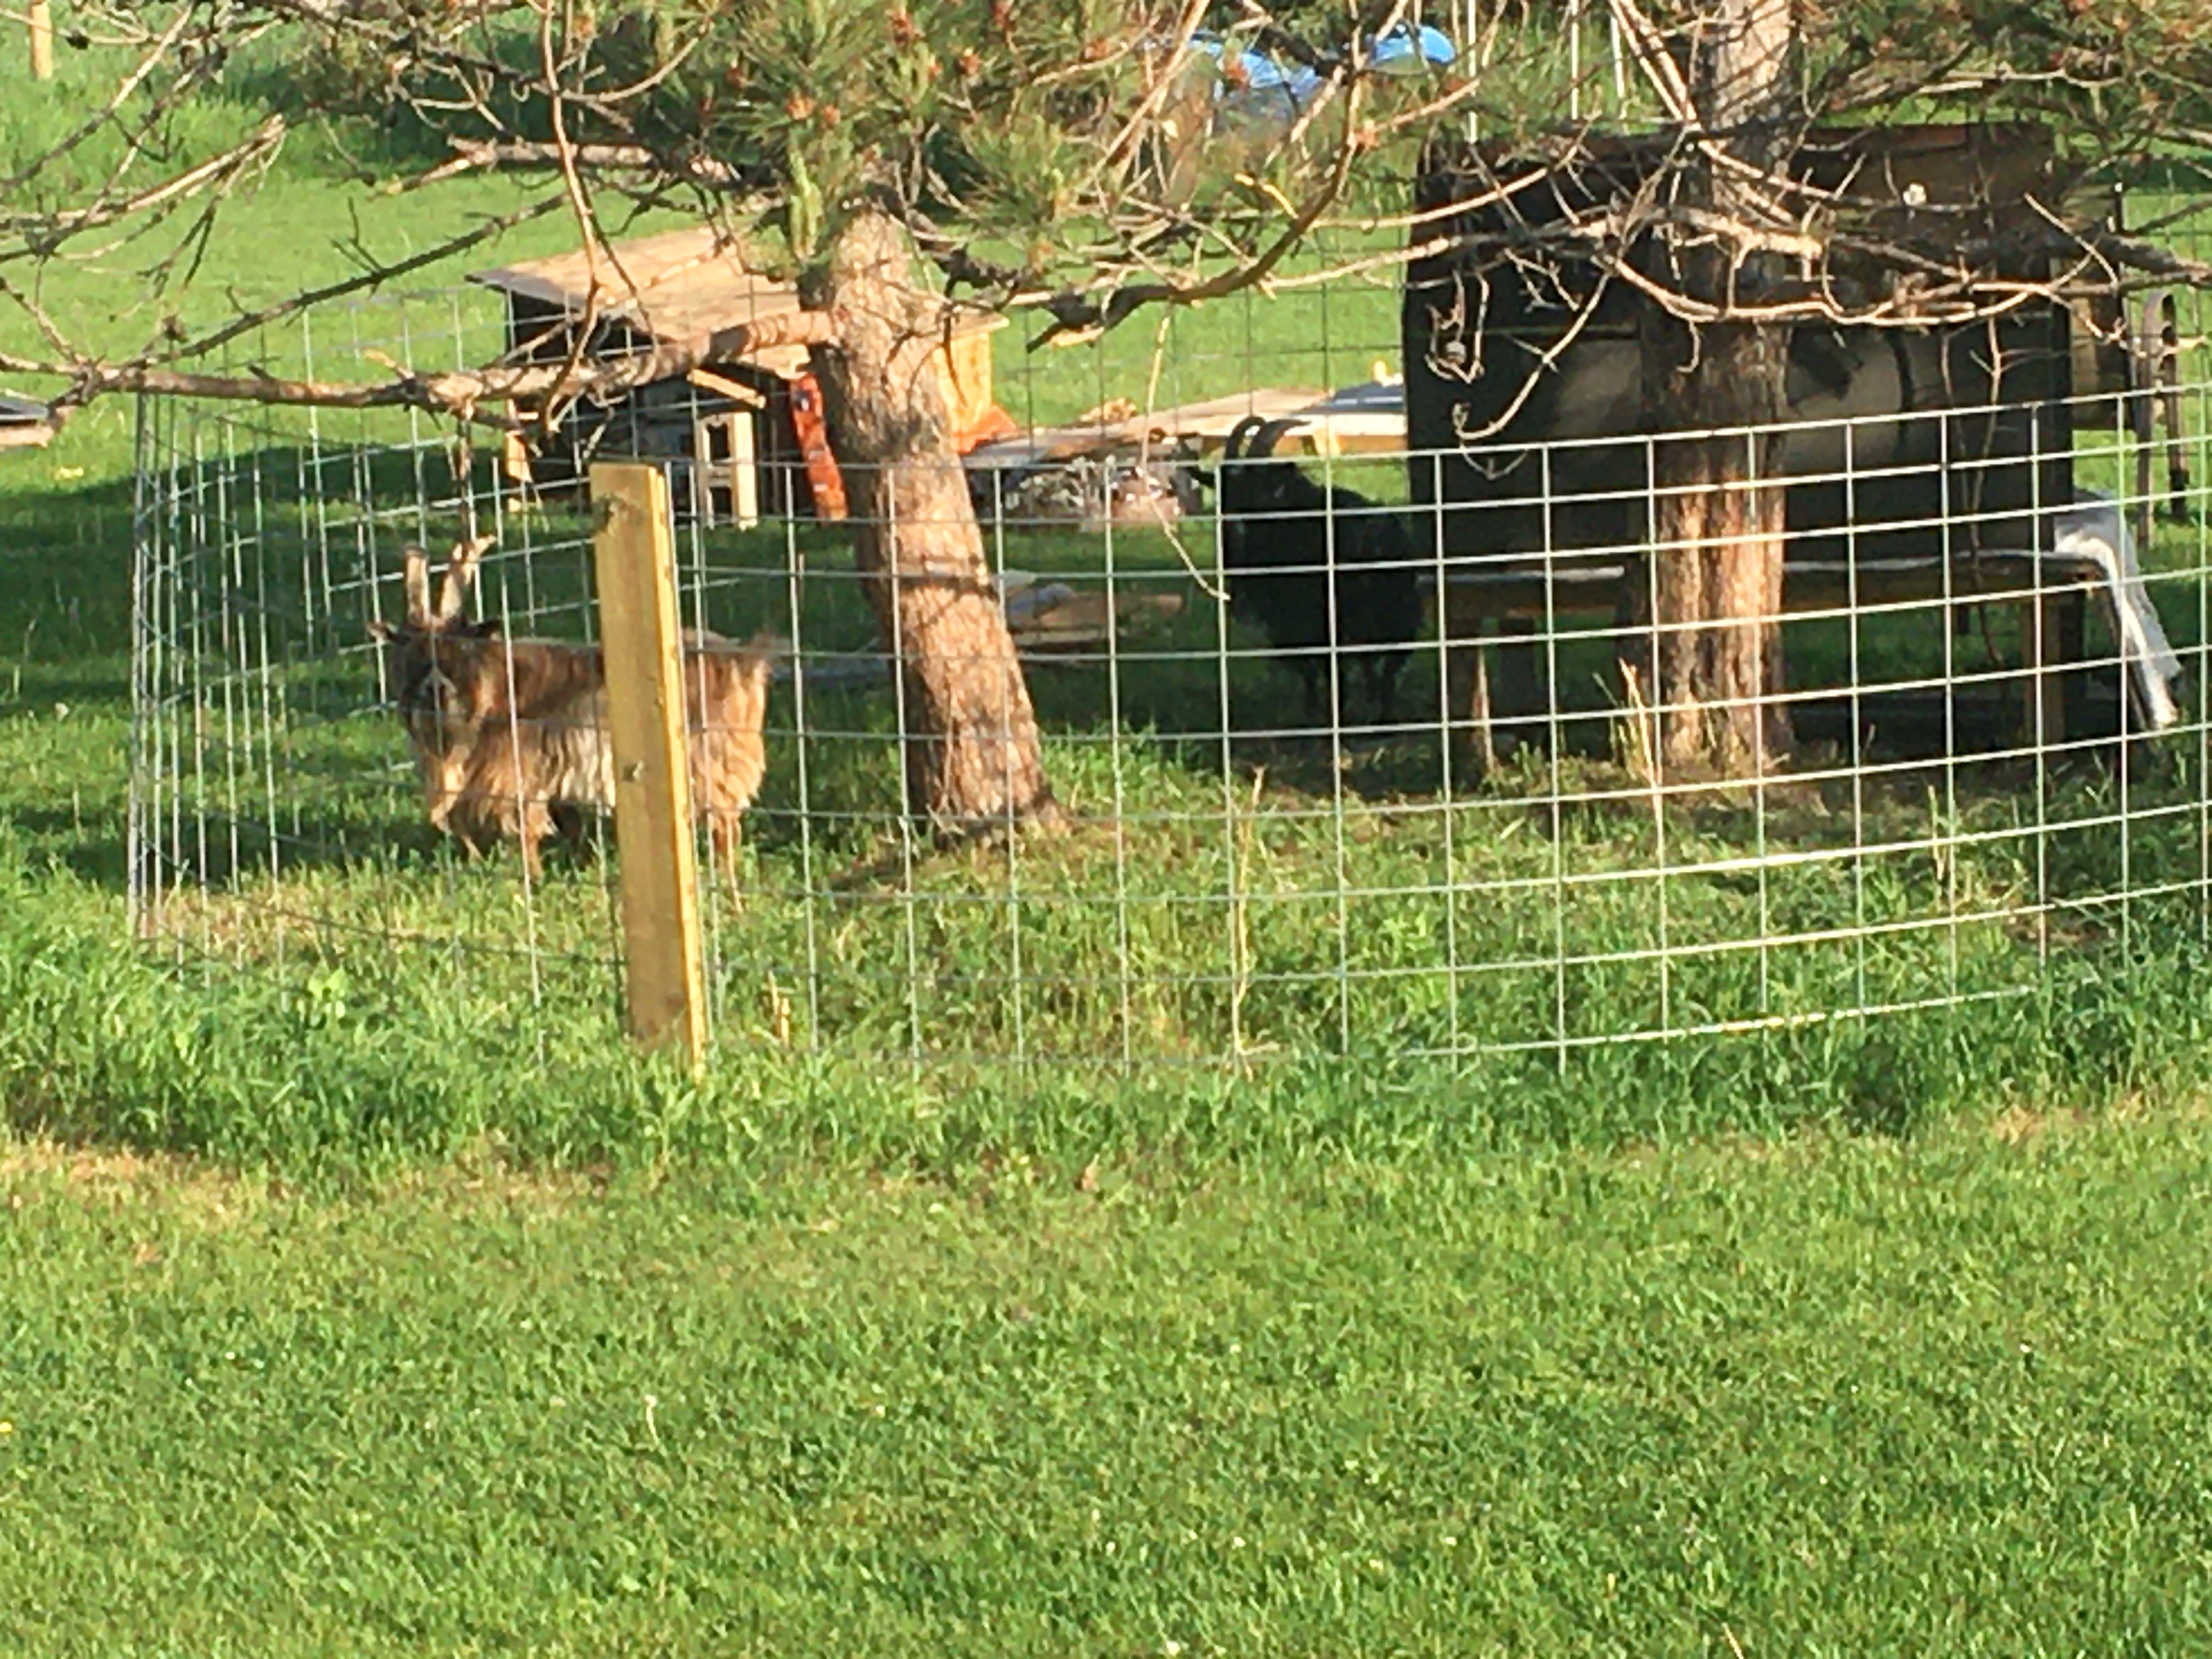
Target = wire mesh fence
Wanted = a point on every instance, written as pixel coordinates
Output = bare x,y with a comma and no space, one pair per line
1372,771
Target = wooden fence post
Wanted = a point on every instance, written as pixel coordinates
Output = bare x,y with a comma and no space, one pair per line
663,969
42,39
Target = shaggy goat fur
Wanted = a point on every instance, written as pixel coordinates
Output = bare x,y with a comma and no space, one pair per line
1278,532
510,735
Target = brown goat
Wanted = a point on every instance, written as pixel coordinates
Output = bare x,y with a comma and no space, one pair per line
508,731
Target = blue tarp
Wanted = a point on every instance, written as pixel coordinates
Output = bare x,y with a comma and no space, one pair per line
1258,90
1399,52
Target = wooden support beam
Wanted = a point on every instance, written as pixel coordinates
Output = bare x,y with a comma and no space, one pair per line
1522,690
2053,639
725,458
1467,700
2051,592
736,391
42,39
1592,588
664,967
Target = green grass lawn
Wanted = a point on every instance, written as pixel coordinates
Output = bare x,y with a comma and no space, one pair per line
1836,1397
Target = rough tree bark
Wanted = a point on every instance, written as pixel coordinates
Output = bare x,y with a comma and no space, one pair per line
1718,523
973,758
1717,551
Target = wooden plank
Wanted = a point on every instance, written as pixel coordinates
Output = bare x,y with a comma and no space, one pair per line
635,555
2053,639
736,391
1082,618
702,469
42,39
1210,422
1522,690
2052,592
963,365
2170,400
2100,361
744,473
1206,426
712,470
1466,703
1584,588
2142,414
1828,585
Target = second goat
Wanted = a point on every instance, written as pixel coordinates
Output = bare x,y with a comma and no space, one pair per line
1322,569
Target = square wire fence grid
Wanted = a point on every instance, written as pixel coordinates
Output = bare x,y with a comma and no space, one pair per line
1455,831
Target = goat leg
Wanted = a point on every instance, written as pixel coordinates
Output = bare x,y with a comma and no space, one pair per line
724,834
534,824
1387,665
1310,669
1360,676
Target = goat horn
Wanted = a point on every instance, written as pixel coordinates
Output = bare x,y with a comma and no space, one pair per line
416,564
1264,439
1244,428
460,571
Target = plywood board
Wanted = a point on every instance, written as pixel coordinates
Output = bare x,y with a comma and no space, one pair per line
964,364
1338,423
24,424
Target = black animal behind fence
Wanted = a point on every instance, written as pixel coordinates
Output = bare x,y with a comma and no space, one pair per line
1320,569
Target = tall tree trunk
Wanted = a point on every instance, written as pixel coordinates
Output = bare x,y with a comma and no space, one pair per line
1717,550
1718,505
973,758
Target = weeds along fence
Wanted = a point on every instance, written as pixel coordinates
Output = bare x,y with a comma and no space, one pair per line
1998,709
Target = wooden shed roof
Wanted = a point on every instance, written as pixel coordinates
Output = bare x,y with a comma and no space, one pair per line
671,287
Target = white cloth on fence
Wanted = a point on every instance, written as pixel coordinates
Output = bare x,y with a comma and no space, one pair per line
2095,528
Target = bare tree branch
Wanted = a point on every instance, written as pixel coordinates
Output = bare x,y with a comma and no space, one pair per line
475,155
42,235
461,394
